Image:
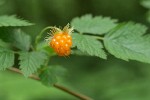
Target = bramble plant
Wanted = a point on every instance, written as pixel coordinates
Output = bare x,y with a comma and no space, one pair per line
92,36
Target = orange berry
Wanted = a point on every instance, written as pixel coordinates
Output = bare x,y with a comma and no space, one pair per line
61,40
68,36
56,45
61,43
68,52
69,42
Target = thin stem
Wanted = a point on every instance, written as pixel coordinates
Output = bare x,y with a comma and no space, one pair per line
38,37
80,96
73,93
19,72
98,37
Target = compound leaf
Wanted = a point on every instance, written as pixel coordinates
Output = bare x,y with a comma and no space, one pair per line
127,41
31,61
93,25
89,45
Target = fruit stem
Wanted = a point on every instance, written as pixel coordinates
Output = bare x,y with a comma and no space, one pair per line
38,37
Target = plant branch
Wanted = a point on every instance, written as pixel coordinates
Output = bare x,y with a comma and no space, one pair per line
78,95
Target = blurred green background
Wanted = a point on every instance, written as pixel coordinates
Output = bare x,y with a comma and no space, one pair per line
110,79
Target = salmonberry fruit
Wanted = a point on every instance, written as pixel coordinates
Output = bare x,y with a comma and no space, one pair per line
61,40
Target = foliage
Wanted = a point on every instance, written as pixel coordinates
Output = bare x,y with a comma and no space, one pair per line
6,21
50,74
31,61
146,4
89,45
93,25
125,41
21,40
98,37
6,58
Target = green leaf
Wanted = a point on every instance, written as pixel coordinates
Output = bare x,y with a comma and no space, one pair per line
31,61
58,70
146,3
94,25
6,21
21,40
44,47
6,58
16,37
48,77
79,53
126,42
89,45
4,44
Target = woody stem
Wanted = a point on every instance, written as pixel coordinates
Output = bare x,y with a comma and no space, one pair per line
73,93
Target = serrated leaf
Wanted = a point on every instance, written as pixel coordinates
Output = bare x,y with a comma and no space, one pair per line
42,46
127,42
6,21
6,58
94,25
31,61
48,77
89,45
21,40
